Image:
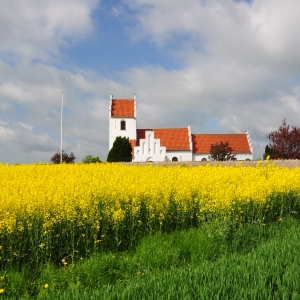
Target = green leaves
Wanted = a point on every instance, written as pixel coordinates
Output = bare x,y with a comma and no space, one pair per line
89,159
120,151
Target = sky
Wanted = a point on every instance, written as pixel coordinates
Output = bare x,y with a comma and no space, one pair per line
221,66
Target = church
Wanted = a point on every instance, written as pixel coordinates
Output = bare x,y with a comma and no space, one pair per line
168,144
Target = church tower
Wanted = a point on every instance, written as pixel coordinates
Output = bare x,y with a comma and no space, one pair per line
122,119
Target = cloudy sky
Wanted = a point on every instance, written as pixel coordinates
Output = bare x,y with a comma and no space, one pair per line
222,66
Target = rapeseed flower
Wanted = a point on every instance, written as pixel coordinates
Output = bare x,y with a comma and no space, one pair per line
56,203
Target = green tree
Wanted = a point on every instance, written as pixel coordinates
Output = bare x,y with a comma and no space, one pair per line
120,151
268,152
221,152
89,159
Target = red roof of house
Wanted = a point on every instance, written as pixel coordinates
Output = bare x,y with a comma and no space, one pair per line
172,138
122,108
238,142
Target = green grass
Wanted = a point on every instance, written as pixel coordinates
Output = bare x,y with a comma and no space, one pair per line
216,261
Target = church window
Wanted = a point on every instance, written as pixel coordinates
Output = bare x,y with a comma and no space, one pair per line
174,158
123,125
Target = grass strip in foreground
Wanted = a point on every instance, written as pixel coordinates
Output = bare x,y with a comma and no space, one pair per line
215,262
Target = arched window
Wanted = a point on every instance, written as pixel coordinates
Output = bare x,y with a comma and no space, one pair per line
203,159
123,125
174,158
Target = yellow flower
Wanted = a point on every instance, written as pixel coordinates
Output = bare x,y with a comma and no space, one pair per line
1,291
46,285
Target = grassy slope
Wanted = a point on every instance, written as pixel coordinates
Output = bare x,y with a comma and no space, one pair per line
214,262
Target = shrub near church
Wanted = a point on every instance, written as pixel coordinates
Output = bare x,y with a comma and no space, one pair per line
120,151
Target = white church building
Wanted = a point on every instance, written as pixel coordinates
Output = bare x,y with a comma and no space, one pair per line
168,144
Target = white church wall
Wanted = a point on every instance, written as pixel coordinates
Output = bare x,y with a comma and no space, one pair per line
239,156
181,155
115,125
201,157
244,156
115,129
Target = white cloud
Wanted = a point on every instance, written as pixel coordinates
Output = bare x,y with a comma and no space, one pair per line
260,32
240,64
30,127
36,29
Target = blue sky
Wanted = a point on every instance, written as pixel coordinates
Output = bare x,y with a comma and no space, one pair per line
222,66
111,46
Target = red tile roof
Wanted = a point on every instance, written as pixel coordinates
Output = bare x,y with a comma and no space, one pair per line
122,108
202,142
171,138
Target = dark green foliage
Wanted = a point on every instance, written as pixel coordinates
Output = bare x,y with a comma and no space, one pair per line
268,152
66,158
120,151
221,151
89,159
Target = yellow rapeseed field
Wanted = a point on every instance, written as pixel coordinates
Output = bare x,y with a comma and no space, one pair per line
91,196
73,192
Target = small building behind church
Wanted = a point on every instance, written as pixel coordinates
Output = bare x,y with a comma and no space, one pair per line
168,144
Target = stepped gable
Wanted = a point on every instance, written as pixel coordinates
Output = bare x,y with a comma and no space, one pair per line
238,142
174,139
122,108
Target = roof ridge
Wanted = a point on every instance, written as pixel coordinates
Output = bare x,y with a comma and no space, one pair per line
218,133
125,99
162,128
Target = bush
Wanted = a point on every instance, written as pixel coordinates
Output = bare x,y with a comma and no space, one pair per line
89,159
120,151
284,143
221,152
66,158
268,152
